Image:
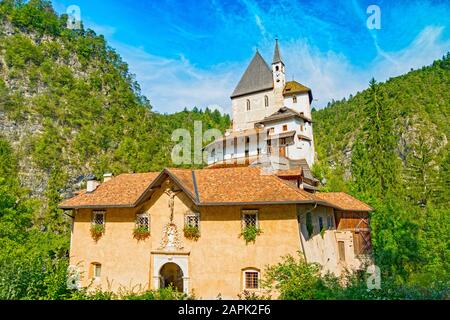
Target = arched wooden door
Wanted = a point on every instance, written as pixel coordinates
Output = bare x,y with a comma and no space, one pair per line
171,275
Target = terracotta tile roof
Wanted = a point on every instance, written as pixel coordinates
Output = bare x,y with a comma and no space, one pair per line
184,177
121,191
343,201
245,185
289,172
210,187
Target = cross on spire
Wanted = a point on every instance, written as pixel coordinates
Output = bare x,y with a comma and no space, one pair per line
276,55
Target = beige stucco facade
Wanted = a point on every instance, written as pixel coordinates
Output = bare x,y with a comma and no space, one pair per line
211,266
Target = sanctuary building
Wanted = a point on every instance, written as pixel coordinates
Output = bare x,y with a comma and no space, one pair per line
213,231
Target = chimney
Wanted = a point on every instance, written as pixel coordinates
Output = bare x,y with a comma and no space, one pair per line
92,184
107,177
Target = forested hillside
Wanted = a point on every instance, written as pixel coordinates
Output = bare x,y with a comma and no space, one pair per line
417,109
388,145
69,106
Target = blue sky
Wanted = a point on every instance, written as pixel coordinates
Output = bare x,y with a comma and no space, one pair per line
193,52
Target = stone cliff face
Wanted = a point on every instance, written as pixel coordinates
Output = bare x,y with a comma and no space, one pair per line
69,106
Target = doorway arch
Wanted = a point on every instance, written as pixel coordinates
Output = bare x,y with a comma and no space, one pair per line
171,274
160,258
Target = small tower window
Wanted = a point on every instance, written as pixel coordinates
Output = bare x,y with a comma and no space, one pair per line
266,101
277,68
294,99
248,105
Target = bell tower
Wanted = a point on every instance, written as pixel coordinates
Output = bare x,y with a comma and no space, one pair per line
279,76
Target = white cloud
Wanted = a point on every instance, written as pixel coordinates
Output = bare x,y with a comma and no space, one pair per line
332,76
173,84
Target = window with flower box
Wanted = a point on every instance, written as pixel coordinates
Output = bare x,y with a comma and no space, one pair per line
249,218
250,225
98,217
142,227
143,221
192,225
98,224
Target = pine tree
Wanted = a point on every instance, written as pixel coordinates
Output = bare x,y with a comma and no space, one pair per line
421,170
374,160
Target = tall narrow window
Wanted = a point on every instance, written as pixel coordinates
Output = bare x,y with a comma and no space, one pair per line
192,219
329,222
249,218
96,270
294,99
192,225
98,218
142,221
266,101
320,223
341,247
251,279
302,128
248,105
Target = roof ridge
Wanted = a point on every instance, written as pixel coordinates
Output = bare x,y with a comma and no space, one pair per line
256,77
297,190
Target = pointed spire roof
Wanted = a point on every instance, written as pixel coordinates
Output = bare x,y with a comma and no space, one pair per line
257,77
276,54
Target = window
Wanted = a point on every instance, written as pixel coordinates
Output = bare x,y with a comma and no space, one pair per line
309,224
341,247
266,101
142,221
270,131
283,141
330,222
249,218
96,269
277,68
320,223
294,99
192,219
302,128
248,105
98,217
251,279
285,127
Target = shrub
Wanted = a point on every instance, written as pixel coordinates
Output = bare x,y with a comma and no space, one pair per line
191,232
250,232
97,231
141,233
